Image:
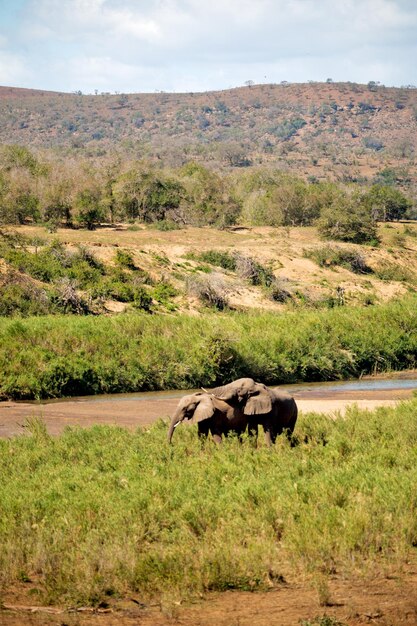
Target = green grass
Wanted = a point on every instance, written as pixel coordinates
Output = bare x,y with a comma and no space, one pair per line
55,356
104,512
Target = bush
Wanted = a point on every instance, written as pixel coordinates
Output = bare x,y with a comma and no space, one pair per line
131,352
330,256
280,290
254,272
245,266
348,220
393,271
210,289
226,260
22,298
124,258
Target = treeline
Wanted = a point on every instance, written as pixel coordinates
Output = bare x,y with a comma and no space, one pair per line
83,193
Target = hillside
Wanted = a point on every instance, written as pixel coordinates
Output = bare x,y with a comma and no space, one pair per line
342,131
114,269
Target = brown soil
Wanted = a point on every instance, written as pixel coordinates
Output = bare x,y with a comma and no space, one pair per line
145,409
383,600
163,255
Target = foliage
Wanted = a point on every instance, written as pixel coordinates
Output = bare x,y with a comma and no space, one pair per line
145,194
89,212
54,356
386,203
329,256
124,258
208,199
101,511
68,272
217,257
348,219
21,297
211,289
245,266
393,271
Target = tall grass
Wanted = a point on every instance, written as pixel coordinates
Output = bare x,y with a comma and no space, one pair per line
101,511
64,356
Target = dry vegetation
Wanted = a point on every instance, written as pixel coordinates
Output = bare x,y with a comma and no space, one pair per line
341,131
293,266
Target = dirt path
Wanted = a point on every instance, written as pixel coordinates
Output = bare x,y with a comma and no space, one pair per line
133,412
389,600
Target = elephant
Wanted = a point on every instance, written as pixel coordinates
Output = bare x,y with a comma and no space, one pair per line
211,414
275,410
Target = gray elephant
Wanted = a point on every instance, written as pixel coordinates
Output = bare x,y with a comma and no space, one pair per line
275,410
211,414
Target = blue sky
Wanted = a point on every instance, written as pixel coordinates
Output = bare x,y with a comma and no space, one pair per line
197,45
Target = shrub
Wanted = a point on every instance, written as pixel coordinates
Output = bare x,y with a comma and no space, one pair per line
251,270
226,260
245,266
209,288
386,203
67,297
348,220
280,290
393,271
124,258
19,297
329,256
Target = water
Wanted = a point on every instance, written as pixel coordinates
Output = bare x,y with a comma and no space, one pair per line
401,381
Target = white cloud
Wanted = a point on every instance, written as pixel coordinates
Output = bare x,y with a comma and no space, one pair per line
13,70
215,44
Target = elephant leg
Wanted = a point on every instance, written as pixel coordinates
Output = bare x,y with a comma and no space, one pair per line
203,430
270,436
217,437
253,432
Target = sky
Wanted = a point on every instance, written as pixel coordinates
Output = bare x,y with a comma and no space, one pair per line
132,46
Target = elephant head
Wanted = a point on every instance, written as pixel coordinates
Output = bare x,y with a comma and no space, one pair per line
254,398
196,407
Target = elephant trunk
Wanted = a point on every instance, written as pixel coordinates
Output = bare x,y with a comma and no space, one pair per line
176,419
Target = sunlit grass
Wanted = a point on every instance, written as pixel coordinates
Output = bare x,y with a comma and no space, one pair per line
102,511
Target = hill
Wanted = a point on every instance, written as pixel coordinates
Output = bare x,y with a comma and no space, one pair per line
342,131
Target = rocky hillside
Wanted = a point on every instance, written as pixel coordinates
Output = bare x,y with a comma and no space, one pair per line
343,131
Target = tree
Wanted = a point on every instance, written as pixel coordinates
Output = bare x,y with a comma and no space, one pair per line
147,195
386,203
89,211
207,198
347,219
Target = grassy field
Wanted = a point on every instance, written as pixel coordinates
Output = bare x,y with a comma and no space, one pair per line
103,512
67,355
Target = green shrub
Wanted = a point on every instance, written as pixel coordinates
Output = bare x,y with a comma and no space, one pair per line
329,256
226,260
130,352
23,299
388,270
348,220
124,258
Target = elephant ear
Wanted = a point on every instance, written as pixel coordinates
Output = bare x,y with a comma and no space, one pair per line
260,402
204,410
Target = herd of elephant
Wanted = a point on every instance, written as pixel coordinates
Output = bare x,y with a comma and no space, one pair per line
233,408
